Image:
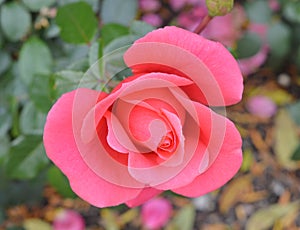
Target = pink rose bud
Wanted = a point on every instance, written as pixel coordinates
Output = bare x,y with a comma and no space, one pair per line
261,106
219,7
68,220
156,213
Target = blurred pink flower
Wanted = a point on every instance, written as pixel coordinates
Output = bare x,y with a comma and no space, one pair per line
68,220
251,64
178,4
260,29
152,19
149,5
227,29
190,19
261,106
156,213
274,5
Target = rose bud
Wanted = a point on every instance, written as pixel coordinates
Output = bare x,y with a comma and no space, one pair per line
219,7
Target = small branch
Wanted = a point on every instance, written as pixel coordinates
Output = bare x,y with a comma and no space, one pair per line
203,24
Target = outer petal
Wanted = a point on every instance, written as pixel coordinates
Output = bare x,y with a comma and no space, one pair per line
218,61
223,168
146,194
62,149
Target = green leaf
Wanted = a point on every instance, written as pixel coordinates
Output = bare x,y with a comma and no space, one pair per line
27,157
296,154
112,31
66,81
279,38
291,11
140,28
5,120
16,192
1,39
248,45
31,120
34,224
5,61
39,92
94,3
4,148
184,219
35,58
286,139
77,22
95,52
120,42
60,182
265,218
119,11
36,5
294,111
15,21
258,11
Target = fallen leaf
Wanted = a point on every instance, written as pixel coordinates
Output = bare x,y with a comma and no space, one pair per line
34,224
234,191
286,140
184,219
265,218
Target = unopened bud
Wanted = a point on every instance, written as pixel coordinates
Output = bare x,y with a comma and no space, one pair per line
219,7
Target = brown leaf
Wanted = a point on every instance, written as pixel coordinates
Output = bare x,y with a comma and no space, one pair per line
234,191
265,218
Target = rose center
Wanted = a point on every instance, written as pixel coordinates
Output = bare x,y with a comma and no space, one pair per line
166,142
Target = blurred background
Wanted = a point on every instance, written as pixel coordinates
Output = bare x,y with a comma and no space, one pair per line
42,55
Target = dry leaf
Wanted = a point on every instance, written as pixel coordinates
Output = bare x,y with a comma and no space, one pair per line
265,218
234,191
286,139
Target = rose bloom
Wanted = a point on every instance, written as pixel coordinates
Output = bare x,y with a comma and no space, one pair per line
155,130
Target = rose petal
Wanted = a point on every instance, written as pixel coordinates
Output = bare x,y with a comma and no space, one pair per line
145,194
207,63
213,129
62,149
88,141
148,81
225,166
111,138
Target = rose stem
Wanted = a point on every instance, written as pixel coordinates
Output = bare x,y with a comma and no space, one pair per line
203,24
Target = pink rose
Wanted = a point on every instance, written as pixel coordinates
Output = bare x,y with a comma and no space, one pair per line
154,131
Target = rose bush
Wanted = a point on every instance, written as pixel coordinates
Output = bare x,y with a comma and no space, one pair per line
155,130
